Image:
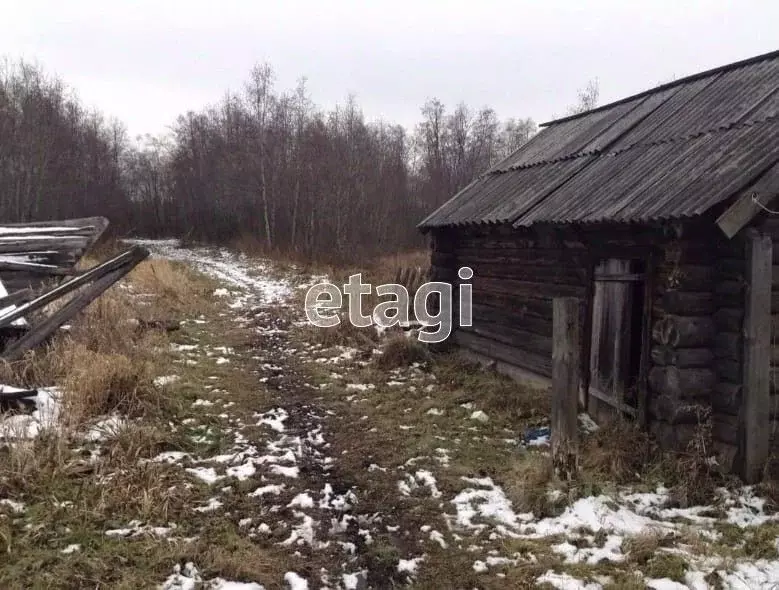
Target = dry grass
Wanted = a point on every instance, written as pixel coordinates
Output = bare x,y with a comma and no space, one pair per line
107,359
98,383
400,350
173,286
529,483
620,452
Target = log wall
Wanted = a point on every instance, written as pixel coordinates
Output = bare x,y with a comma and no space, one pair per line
516,276
682,376
697,306
729,299
770,225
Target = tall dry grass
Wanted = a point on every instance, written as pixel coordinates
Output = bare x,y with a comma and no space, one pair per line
108,357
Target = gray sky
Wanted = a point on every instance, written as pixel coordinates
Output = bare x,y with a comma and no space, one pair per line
146,62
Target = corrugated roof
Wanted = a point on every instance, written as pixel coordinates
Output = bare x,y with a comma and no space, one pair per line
670,152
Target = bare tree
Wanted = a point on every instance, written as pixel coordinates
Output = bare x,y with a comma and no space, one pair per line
587,98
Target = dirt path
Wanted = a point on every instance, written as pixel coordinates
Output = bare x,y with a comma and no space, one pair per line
344,476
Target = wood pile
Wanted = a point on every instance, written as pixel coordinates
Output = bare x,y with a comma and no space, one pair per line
38,267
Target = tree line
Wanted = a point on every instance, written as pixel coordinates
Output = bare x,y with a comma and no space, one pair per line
263,165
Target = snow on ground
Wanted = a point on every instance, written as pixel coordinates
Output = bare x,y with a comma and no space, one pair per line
589,530
233,270
26,426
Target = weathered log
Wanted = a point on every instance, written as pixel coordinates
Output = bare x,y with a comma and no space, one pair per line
674,411
539,364
732,269
687,332
566,381
443,259
728,370
725,454
729,346
559,273
688,302
729,319
730,288
526,288
681,357
753,447
682,383
684,331
726,398
673,436
513,337
724,428
686,278
529,322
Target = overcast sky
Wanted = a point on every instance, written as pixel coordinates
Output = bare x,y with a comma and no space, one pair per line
146,62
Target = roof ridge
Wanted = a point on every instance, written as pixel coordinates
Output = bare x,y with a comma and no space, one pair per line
600,153
692,77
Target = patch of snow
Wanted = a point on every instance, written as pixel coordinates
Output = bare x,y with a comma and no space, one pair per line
164,380
302,500
480,416
295,582
213,504
71,548
566,582
106,428
16,507
45,417
409,566
206,474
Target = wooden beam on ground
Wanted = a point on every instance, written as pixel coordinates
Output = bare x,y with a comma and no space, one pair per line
754,431
10,396
566,380
40,269
135,254
45,329
16,297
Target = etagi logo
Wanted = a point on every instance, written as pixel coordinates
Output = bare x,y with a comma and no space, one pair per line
324,300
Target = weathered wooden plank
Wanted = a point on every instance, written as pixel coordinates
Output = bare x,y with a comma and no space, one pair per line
726,398
565,386
541,365
529,322
16,297
738,215
529,288
688,277
681,357
559,273
729,319
753,448
674,411
687,331
729,371
512,336
728,345
689,303
33,268
682,383
43,331
645,364
71,285
725,428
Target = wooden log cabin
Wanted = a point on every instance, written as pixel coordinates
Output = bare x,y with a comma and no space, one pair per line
659,213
